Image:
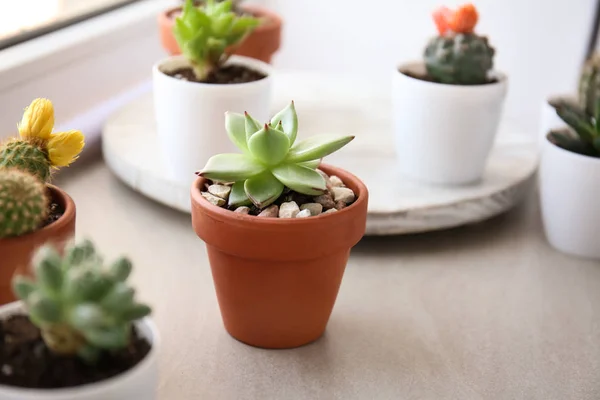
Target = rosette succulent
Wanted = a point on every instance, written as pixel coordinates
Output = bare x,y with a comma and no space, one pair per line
458,56
39,150
271,159
81,305
205,32
583,137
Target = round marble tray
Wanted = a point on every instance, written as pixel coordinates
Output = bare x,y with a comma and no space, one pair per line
337,105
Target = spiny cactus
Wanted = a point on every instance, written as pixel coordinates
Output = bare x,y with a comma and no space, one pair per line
23,203
584,135
81,306
270,159
206,31
27,156
38,150
458,56
589,84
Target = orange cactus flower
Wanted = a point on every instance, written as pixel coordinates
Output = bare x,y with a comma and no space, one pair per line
441,17
464,19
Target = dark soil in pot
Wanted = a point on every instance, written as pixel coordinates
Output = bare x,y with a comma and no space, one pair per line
25,361
225,75
54,213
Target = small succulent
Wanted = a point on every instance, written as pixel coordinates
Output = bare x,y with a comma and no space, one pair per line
583,137
205,32
23,203
38,150
458,56
270,159
589,84
81,306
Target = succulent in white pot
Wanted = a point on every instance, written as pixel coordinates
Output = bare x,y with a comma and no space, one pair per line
77,332
192,91
569,177
447,107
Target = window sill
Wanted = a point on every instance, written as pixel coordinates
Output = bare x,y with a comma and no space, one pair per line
87,69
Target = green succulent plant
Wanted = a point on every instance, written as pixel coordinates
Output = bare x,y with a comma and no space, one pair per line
459,59
589,84
23,202
583,137
80,305
271,159
206,31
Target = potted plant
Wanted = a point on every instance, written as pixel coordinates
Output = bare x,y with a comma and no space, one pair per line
33,211
77,332
192,91
261,43
569,176
278,230
447,107
588,92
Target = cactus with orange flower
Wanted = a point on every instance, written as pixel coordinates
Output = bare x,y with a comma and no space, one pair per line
458,55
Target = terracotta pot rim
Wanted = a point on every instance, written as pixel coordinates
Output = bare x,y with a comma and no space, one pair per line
223,214
271,20
69,214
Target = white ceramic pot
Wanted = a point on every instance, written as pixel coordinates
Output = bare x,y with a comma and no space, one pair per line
444,133
190,116
569,195
549,120
139,383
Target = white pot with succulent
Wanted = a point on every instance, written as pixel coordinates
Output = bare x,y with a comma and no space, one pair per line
193,91
77,333
569,176
447,109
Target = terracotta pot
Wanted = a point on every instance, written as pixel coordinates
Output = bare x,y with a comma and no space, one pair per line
277,279
16,252
261,44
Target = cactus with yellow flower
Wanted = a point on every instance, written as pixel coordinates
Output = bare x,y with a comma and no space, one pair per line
26,164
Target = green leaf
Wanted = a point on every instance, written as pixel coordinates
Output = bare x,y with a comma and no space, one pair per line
269,145
182,32
576,119
263,189
317,147
231,168
43,308
48,269
77,253
235,124
568,141
88,316
222,7
301,179
238,196
84,284
120,295
596,144
89,354
252,126
135,312
312,164
121,269
289,121
108,338
23,287
222,25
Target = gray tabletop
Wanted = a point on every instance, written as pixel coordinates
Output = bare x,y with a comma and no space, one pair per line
487,311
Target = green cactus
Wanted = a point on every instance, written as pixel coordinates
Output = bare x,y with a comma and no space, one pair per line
23,203
81,306
589,84
26,155
459,59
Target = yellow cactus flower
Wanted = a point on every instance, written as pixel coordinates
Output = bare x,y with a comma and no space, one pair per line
64,147
38,120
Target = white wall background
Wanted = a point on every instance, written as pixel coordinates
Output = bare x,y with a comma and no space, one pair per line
540,44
